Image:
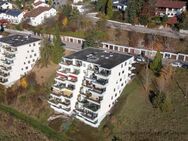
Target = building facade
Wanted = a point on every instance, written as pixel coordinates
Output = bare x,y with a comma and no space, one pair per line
38,15
89,82
18,55
170,8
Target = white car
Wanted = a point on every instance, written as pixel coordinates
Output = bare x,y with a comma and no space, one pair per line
176,64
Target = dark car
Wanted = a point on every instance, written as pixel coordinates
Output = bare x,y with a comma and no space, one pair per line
185,66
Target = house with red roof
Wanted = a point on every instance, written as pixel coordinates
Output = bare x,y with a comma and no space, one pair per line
169,8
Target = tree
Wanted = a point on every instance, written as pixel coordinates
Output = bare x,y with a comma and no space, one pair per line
131,11
45,52
109,9
101,5
57,48
156,65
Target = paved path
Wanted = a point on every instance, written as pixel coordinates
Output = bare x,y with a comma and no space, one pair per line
139,28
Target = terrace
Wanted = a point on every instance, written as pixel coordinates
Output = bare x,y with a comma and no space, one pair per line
88,114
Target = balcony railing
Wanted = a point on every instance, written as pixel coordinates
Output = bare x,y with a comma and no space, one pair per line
3,80
104,73
4,74
11,49
3,68
10,56
87,114
66,62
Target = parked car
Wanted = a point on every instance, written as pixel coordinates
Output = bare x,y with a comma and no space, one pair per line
140,58
176,64
185,66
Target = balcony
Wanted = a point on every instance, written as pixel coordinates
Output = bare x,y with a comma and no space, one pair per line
87,114
77,64
101,81
56,101
98,90
67,62
61,78
65,71
3,80
90,97
3,68
76,72
104,73
59,86
64,93
11,49
4,74
91,106
10,56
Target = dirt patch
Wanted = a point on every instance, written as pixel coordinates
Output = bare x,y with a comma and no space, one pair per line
43,74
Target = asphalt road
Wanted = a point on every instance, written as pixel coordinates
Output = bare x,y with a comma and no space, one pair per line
137,28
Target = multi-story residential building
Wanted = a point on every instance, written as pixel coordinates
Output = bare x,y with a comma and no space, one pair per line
38,15
89,82
14,16
169,8
5,5
18,54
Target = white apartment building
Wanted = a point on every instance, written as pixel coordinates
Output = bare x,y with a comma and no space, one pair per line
18,55
14,16
89,82
170,8
5,5
38,15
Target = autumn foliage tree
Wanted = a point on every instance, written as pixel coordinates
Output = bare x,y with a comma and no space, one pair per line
156,65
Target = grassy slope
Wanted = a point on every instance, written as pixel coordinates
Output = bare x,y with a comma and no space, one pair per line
33,122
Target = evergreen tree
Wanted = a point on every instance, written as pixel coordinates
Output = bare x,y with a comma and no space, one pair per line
101,5
156,65
57,49
109,8
131,11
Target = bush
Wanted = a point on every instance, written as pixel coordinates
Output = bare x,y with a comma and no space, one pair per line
162,102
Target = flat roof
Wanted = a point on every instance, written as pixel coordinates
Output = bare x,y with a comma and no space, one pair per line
18,40
105,59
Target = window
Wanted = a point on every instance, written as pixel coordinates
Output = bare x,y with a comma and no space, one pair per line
122,84
84,65
29,45
125,63
28,51
30,56
123,72
28,62
119,73
24,63
22,69
121,65
111,47
25,57
115,94
33,44
33,60
109,105
35,54
26,68
111,97
120,80
116,82
114,89
32,50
